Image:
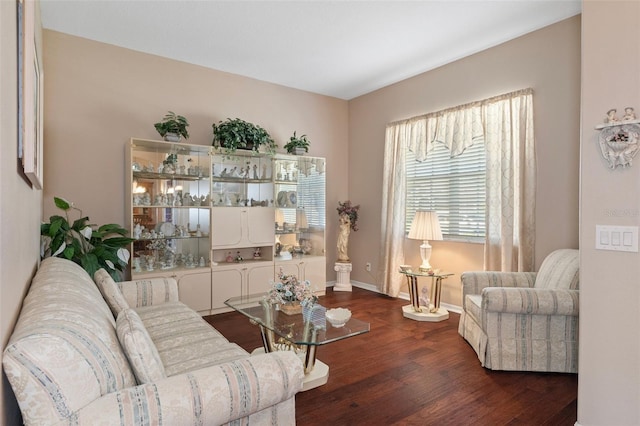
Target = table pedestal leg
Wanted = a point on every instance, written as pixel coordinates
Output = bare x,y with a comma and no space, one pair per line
316,372
433,313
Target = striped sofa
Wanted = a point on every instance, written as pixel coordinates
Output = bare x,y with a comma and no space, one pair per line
524,321
92,353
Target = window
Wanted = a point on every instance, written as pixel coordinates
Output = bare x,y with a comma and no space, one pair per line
310,188
453,187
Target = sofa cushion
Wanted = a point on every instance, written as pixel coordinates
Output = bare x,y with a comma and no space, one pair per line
147,292
110,291
473,306
184,340
139,348
559,269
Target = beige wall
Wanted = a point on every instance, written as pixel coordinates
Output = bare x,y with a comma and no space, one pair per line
609,368
99,95
21,205
548,60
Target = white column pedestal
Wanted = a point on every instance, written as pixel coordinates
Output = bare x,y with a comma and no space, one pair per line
343,281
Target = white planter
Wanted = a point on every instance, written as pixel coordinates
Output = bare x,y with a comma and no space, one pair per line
172,137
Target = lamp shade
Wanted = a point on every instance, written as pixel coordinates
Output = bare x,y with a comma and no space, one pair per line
301,219
279,217
425,226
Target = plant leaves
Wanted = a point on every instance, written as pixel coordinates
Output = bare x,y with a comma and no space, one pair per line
86,232
123,255
60,249
62,203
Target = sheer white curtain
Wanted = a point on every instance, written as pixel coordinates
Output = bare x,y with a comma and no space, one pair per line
511,184
506,124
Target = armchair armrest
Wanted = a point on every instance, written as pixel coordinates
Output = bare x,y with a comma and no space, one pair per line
531,301
211,396
475,282
152,291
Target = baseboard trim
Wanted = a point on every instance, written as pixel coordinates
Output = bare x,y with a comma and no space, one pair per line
405,296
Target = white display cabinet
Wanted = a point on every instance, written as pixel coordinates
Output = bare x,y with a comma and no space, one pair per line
168,204
223,225
242,179
300,210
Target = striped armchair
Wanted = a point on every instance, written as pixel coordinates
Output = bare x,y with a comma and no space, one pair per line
524,321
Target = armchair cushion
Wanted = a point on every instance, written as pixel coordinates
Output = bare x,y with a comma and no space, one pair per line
559,269
530,301
474,282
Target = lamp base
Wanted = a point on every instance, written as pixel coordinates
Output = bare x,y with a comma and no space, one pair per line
425,254
426,269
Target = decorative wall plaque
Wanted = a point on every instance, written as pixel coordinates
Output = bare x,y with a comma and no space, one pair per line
619,139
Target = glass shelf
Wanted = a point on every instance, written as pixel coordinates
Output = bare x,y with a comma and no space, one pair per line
167,176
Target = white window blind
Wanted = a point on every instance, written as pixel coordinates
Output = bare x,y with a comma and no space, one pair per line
453,187
310,190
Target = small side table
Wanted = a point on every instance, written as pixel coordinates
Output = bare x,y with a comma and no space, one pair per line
434,312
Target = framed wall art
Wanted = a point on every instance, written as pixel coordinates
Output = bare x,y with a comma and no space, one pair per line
30,94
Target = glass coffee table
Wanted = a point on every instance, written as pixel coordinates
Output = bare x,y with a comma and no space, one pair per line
301,333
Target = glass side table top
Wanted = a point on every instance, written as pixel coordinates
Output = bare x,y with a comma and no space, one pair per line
300,329
417,273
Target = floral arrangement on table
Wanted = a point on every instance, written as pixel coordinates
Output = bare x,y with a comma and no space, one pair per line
289,290
351,211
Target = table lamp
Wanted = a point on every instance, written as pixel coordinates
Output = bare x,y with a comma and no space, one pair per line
301,219
425,227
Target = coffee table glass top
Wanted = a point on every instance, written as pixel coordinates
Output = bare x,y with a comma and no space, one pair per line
309,328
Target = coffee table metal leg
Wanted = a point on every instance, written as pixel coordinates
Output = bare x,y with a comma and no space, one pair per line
310,353
268,339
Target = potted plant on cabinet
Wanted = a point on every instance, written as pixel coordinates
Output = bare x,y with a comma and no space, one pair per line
233,134
172,127
297,145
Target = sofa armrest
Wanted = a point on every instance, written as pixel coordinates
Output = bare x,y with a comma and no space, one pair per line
152,291
531,301
211,396
475,282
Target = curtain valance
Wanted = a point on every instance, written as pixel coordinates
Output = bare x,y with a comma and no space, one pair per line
457,127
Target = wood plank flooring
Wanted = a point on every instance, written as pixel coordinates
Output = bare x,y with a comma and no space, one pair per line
405,372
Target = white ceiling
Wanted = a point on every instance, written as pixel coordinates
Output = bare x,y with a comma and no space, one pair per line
336,48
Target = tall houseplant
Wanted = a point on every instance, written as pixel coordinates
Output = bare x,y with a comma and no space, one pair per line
233,134
173,124
87,245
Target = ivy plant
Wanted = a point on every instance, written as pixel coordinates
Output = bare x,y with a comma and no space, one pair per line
233,134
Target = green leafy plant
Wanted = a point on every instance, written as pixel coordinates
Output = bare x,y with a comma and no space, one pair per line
173,123
297,142
233,134
90,247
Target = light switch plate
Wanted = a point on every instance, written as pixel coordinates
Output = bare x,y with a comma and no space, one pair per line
617,238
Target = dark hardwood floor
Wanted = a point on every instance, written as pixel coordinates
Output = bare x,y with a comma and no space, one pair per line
407,372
